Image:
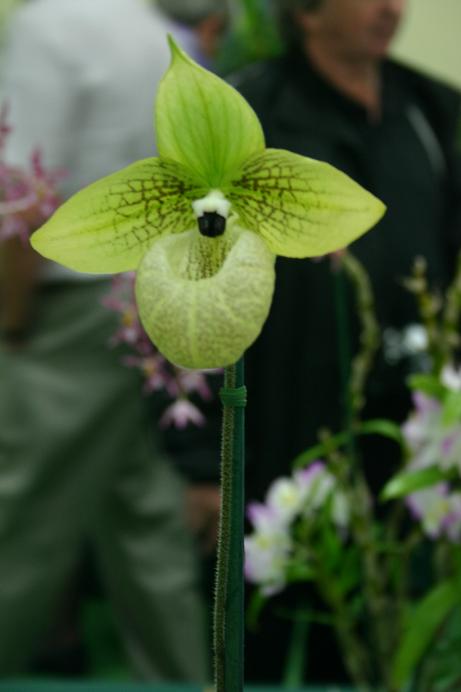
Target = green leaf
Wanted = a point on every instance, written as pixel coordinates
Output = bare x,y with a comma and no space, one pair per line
383,427
421,628
297,571
350,575
442,670
109,225
319,451
296,656
410,481
256,604
451,413
428,384
204,123
330,547
203,303
301,207
377,426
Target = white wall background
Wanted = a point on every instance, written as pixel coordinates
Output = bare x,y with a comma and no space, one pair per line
430,38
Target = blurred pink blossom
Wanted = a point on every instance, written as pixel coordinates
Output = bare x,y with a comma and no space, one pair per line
157,373
181,413
433,440
27,199
27,196
438,509
289,499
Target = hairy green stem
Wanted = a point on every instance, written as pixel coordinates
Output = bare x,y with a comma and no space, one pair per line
353,380
451,313
429,306
355,655
369,330
344,356
228,607
375,589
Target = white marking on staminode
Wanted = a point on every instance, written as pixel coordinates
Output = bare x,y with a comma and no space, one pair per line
214,201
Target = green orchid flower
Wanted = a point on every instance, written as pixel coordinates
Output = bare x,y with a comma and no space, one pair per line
202,223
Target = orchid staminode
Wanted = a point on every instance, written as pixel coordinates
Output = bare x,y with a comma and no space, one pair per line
202,222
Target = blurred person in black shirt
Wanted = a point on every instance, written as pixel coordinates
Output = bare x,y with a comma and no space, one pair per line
335,95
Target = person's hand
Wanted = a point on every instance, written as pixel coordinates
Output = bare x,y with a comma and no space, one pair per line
203,502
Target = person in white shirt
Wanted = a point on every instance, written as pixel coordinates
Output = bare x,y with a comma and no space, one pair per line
78,462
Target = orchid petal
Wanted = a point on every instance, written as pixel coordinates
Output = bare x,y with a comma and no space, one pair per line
204,123
203,301
301,207
109,225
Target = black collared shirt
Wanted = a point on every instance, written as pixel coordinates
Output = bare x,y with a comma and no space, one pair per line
407,158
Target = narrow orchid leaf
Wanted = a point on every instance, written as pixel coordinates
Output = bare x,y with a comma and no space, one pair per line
410,481
423,624
376,426
428,384
202,308
383,427
301,207
451,412
204,123
109,225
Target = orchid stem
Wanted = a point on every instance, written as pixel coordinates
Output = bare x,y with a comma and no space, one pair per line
229,594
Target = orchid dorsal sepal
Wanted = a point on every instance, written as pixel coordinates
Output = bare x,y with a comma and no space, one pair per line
204,123
202,222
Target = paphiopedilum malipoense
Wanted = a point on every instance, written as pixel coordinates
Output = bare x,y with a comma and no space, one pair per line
202,222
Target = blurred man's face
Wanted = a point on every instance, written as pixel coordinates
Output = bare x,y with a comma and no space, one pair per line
355,29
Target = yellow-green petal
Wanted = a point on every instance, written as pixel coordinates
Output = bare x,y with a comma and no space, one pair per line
204,123
109,225
301,207
204,301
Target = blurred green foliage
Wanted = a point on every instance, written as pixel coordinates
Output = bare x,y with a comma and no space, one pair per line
253,35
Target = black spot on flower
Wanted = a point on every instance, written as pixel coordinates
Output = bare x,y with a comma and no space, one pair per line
211,224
